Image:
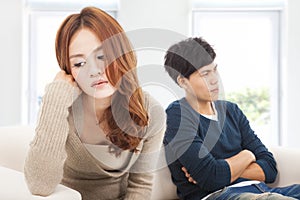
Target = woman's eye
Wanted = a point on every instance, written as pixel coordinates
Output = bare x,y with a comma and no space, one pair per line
101,57
80,64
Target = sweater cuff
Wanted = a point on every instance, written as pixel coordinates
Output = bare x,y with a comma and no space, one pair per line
268,175
60,93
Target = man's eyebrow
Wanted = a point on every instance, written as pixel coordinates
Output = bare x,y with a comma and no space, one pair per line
82,55
208,70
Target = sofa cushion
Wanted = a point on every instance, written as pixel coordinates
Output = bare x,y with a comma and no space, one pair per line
163,187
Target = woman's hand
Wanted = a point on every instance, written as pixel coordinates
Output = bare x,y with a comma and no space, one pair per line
188,176
62,75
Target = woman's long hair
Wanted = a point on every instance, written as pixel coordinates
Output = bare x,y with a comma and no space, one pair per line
127,116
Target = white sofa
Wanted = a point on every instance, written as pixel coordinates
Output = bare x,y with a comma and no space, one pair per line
14,144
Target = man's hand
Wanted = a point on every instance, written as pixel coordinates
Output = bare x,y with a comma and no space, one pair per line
239,163
188,176
254,172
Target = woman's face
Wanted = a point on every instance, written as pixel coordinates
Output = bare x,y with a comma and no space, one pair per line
88,64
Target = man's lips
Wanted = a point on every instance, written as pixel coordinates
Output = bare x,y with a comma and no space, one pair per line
98,83
215,90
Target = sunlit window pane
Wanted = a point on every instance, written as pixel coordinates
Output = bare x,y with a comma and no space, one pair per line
247,47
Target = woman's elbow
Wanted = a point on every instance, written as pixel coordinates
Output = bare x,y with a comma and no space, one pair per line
40,189
40,184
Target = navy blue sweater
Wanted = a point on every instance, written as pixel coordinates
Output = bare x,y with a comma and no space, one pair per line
201,145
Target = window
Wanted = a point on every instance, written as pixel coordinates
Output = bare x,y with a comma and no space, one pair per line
247,42
42,20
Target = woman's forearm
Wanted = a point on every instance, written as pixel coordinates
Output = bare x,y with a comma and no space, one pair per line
43,167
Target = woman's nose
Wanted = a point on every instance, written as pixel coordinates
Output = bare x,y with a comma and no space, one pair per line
95,67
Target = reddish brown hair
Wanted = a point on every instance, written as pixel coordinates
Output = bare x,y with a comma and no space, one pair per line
127,115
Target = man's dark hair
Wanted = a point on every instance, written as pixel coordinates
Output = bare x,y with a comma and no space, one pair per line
187,56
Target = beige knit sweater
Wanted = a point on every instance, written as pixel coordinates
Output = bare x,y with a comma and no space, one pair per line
57,154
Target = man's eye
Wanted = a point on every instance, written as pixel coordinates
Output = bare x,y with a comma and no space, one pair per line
80,64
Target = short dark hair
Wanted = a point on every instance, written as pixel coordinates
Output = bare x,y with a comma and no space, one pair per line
187,56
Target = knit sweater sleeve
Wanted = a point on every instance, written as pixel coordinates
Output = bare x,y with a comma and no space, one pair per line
141,174
44,162
250,141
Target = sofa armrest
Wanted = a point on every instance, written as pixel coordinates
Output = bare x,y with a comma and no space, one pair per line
13,187
288,165
14,145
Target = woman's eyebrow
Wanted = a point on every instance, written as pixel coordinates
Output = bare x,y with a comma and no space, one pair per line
76,55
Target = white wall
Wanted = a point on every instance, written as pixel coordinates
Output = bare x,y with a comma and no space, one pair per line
166,14
153,26
291,76
172,15
10,61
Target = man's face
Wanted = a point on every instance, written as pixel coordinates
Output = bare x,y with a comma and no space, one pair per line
204,83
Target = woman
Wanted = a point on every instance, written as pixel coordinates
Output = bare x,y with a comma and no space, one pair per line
97,132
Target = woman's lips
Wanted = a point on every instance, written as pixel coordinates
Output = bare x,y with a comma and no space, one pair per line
99,83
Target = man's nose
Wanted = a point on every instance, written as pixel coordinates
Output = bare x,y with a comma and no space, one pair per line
214,78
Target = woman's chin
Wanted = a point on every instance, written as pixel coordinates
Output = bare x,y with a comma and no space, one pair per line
102,94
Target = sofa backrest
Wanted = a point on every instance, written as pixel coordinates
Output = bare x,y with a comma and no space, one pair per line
15,141
163,187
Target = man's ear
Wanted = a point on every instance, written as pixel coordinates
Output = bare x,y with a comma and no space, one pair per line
181,81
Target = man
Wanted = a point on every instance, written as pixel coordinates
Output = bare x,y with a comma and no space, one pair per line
210,147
